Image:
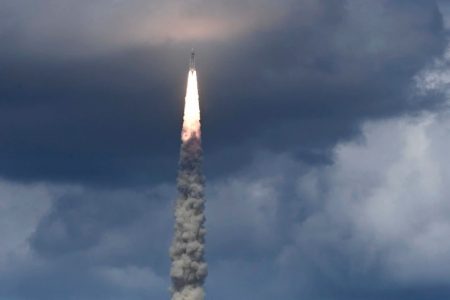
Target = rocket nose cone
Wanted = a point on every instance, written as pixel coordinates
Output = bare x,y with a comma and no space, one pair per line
192,61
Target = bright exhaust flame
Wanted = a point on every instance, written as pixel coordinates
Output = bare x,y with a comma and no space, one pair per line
191,119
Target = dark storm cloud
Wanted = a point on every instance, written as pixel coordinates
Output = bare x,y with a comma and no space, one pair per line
104,105
89,119
318,80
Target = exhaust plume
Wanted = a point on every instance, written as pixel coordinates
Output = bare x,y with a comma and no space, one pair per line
189,269
191,118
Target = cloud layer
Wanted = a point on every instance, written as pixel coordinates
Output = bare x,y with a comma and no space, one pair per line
325,137
363,227
313,70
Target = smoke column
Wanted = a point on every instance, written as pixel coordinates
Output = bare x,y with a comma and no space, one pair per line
189,268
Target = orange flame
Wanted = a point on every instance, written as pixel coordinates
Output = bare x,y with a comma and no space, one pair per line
191,119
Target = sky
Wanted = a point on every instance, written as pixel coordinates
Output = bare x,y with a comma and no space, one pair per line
325,132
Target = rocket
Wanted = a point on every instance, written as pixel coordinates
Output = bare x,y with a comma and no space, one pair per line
192,61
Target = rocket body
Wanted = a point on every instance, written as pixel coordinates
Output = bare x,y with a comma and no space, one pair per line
192,61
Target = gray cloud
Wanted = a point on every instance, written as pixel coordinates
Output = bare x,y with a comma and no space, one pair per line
80,246
314,72
384,218
358,229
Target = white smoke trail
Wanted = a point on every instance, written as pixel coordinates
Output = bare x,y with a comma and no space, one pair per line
189,268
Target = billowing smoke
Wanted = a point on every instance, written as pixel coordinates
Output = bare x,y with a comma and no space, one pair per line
189,268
